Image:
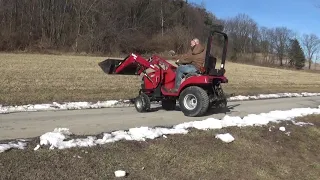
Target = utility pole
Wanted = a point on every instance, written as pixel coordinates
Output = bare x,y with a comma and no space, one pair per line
182,7
161,18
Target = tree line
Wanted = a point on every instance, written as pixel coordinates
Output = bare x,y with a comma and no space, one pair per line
142,26
106,26
272,45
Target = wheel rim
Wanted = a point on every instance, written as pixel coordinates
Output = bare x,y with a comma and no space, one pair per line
190,102
139,103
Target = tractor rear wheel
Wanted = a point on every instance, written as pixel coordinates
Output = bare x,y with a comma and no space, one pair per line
142,103
194,101
169,104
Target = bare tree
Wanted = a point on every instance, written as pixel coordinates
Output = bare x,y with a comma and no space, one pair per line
311,45
281,38
123,26
243,32
265,43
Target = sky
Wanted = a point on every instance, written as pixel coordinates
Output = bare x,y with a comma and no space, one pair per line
301,16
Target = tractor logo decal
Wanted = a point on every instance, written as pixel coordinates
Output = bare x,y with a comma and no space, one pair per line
134,56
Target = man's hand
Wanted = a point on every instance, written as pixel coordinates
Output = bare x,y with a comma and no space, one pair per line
177,62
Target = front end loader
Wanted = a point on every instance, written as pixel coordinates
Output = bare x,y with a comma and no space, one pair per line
198,92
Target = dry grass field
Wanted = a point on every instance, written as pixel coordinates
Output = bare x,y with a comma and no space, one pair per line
33,78
256,153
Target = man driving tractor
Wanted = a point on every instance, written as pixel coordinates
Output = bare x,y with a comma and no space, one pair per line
190,62
196,95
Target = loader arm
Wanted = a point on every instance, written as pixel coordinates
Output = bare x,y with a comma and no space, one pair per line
131,65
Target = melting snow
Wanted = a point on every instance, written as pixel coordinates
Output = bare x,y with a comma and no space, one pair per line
56,139
11,145
120,173
282,128
302,123
288,133
59,138
36,148
273,96
120,103
227,138
65,106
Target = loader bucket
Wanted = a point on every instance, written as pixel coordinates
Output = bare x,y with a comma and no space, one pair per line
109,65
112,66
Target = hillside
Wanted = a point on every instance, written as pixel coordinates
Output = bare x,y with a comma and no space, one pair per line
143,26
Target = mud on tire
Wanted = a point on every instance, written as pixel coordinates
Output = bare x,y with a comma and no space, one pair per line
194,101
142,103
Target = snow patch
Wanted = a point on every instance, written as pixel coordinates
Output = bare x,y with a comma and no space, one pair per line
65,106
57,138
120,173
164,136
54,138
282,129
288,133
37,147
11,145
302,123
227,138
273,96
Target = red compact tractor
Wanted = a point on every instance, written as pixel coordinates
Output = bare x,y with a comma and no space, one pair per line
197,93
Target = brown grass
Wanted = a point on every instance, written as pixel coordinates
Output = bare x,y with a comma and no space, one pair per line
256,153
32,78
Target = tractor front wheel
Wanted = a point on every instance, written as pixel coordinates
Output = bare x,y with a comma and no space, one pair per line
142,103
194,101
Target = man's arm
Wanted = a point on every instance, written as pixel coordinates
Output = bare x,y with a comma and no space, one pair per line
185,58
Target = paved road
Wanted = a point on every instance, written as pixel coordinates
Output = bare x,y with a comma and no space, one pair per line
94,121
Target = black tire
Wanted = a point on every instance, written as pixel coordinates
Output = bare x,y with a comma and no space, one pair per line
169,104
142,103
197,105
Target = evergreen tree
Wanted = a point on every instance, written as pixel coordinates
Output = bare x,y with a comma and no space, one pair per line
291,54
296,54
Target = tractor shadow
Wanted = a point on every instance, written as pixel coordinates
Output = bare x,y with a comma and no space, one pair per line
227,110
211,111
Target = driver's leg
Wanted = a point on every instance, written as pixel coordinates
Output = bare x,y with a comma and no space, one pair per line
179,73
180,70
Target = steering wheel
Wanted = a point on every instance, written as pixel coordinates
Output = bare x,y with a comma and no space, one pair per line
179,64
